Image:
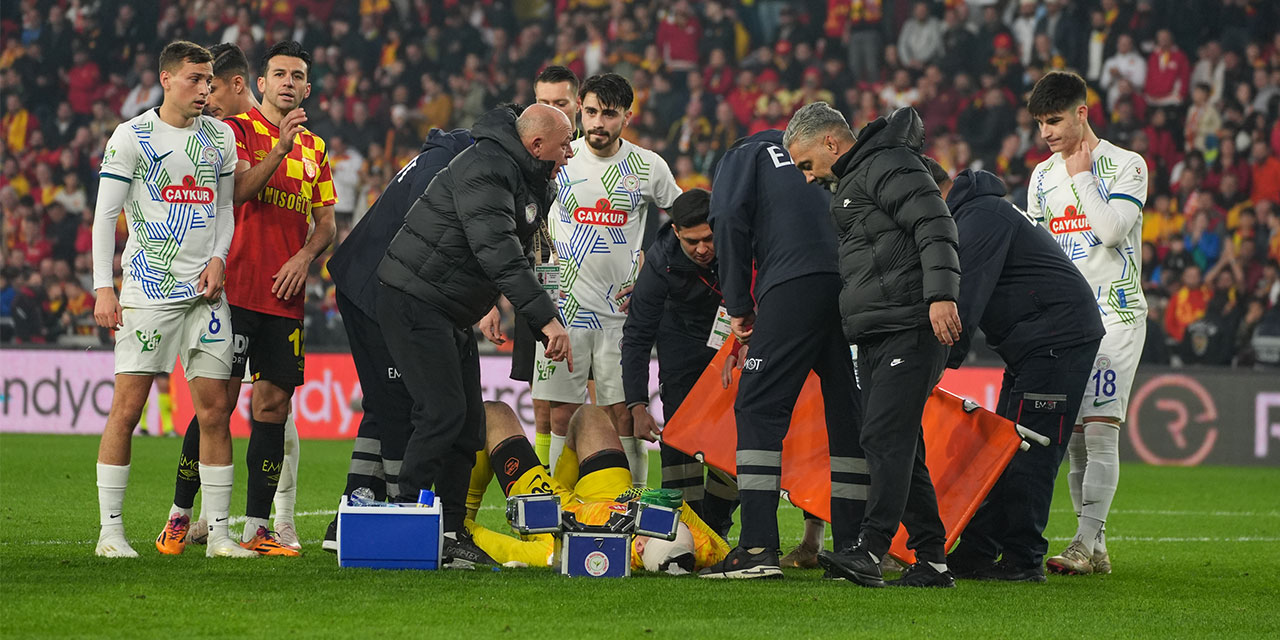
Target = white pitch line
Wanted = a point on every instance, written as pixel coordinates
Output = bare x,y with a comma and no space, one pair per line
1177,513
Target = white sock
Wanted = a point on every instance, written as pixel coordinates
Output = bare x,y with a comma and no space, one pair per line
1100,542
640,474
1101,475
215,485
633,458
557,447
112,480
179,510
1078,458
287,491
251,528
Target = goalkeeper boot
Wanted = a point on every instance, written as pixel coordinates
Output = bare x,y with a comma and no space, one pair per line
854,564
922,574
1074,561
801,557
742,564
173,540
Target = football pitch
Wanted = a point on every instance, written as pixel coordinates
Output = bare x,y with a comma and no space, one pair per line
1196,554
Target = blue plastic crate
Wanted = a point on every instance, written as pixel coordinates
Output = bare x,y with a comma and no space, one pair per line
409,537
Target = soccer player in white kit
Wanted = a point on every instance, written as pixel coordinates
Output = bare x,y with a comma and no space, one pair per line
172,171
1090,195
602,201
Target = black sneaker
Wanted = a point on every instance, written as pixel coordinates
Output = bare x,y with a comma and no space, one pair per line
922,574
330,543
743,564
854,564
463,549
1006,572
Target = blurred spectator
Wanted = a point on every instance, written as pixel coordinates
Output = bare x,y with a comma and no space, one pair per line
1168,72
1187,304
1266,173
687,177
920,38
144,96
345,164
1203,120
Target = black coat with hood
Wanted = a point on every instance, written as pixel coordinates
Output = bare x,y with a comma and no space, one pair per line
466,241
1018,287
897,239
354,265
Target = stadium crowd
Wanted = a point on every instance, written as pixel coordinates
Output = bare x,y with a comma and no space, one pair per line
1191,85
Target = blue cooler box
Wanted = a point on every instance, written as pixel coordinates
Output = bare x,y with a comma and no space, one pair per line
596,555
409,537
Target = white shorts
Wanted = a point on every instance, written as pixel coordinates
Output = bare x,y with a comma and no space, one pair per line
195,330
597,354
1106,395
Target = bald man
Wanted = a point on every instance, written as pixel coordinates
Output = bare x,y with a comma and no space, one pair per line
465,242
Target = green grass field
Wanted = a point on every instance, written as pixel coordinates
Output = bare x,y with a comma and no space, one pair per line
1196,554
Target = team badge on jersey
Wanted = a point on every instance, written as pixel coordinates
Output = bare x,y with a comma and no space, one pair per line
210,155
631,183
309,167
530,212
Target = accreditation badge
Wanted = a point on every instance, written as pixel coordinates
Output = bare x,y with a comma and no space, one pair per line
719,329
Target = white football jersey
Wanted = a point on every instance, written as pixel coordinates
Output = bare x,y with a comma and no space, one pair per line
173,182
1055,202
601,206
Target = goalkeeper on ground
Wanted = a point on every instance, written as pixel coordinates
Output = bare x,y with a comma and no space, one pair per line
594,483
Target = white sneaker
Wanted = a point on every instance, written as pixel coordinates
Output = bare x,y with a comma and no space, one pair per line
287,534
225,547
113,545
199,532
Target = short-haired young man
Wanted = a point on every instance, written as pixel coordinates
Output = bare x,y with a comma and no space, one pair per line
172,170
1089,194
602,200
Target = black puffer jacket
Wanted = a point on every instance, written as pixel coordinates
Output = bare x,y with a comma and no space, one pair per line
897,240
354,265
466,240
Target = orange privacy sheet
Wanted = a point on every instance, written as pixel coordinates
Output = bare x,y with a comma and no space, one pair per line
966,451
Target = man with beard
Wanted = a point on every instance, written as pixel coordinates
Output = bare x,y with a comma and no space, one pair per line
602,197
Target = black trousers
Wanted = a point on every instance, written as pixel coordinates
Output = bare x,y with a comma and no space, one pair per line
715,497
441,370
1042,393
378,451
797,330
898,371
